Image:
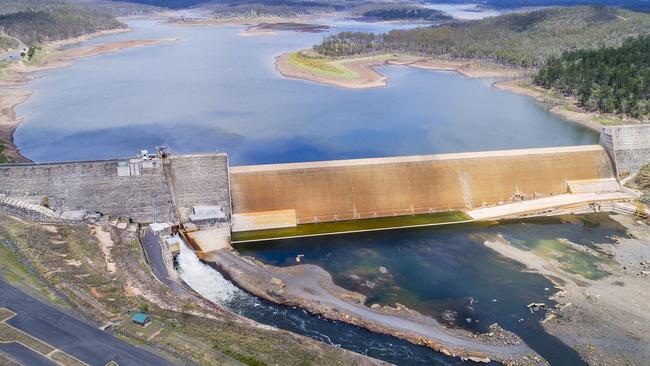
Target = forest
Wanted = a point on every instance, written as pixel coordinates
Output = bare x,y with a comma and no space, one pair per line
37,21
515,39
404,12
608,80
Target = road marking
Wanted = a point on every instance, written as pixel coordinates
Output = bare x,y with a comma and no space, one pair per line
46,349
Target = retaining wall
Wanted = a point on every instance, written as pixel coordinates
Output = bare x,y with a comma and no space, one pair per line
363,188
92,185
122,187
628,146
200,179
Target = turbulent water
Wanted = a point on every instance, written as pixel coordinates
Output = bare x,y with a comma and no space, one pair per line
213,286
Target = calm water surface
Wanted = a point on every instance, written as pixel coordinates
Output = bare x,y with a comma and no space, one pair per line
214,90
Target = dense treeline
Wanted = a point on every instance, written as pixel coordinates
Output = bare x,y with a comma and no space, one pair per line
609,80
37,21
405,13
522,39
637,5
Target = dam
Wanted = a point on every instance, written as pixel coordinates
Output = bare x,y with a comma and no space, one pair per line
472,186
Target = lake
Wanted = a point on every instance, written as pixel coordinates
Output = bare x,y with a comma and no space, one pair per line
214,90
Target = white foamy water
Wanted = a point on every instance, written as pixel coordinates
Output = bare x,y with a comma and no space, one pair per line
204,279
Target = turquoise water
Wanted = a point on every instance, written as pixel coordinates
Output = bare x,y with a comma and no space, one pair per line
214,90
447,272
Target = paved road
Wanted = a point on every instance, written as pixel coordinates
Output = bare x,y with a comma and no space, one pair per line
24,355
68,333
151,244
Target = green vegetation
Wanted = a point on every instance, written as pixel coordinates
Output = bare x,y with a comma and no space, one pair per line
400,12
3,158
68,258
608,80
520,39
339,227
248,360
316,64
37,21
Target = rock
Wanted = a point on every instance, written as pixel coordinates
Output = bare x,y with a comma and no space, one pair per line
483,359
469,320
383,270
375,306
277,282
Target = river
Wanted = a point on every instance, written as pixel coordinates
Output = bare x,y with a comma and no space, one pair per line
214,90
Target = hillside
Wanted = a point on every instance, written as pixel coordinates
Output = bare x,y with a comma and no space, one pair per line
39,21
638,5
608,80
385,12
521,39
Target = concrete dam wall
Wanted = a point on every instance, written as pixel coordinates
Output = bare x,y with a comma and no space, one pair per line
123,187
628,146
366,188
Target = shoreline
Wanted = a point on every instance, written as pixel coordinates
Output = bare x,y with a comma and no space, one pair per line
311,288
606,320
361,73
15,77
563,107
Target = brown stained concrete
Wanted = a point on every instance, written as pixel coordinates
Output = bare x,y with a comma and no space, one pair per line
380,187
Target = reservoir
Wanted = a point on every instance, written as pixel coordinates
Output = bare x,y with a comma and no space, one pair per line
215,90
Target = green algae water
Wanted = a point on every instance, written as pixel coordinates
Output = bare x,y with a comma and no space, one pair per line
448,273
348,226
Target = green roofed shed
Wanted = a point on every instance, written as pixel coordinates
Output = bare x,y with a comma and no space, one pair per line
141,319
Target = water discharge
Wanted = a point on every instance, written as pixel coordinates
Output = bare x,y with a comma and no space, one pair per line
205,280
208,282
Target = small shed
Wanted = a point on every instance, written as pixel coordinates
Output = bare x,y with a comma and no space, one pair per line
141,319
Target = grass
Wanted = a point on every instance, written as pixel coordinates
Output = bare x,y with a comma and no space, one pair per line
318,65
15,273
11,334
326,228
3,158
40,56
184,337
608,121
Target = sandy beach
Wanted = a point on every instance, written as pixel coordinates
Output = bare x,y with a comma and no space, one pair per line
14,78
607,320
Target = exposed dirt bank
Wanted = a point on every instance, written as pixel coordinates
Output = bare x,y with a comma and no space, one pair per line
359,72
312,288
608,320
565,107
15,76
